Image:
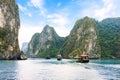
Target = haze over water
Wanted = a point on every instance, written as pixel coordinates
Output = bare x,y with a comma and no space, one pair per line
42,69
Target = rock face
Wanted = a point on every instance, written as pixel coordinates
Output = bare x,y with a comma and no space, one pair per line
9,27
82,39
45,43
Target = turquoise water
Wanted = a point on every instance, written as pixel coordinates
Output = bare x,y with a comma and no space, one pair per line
41,69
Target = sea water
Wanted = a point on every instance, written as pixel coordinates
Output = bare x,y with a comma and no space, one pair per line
67,69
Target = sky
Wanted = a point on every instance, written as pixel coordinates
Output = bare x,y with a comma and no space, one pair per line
61,14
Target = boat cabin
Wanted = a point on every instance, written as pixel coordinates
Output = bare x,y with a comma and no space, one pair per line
59,57
83,58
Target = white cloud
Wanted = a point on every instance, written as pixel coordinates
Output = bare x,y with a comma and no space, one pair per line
38,4
106,11
62,31
22,8
97,11
29,14
58,19
26,33
59,22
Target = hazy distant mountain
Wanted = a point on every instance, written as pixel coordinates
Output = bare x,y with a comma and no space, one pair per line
24,47
82,39
45,43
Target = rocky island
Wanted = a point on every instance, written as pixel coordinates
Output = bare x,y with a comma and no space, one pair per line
48,42
9,28
82,39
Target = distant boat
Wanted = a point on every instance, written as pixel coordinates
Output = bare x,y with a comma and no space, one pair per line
59,57
47,57
83,58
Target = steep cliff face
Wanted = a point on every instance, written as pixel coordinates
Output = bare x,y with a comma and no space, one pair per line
9,27
45,43
82,39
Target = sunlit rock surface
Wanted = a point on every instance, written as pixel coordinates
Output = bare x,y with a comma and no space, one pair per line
9,28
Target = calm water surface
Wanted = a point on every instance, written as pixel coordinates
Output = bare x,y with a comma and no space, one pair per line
41,69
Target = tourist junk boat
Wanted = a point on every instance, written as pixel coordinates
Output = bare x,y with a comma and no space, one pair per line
83,58
59,57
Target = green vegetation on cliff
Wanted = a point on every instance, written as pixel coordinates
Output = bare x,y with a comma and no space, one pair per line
45,43
3,33
109,30
54,48
82,39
